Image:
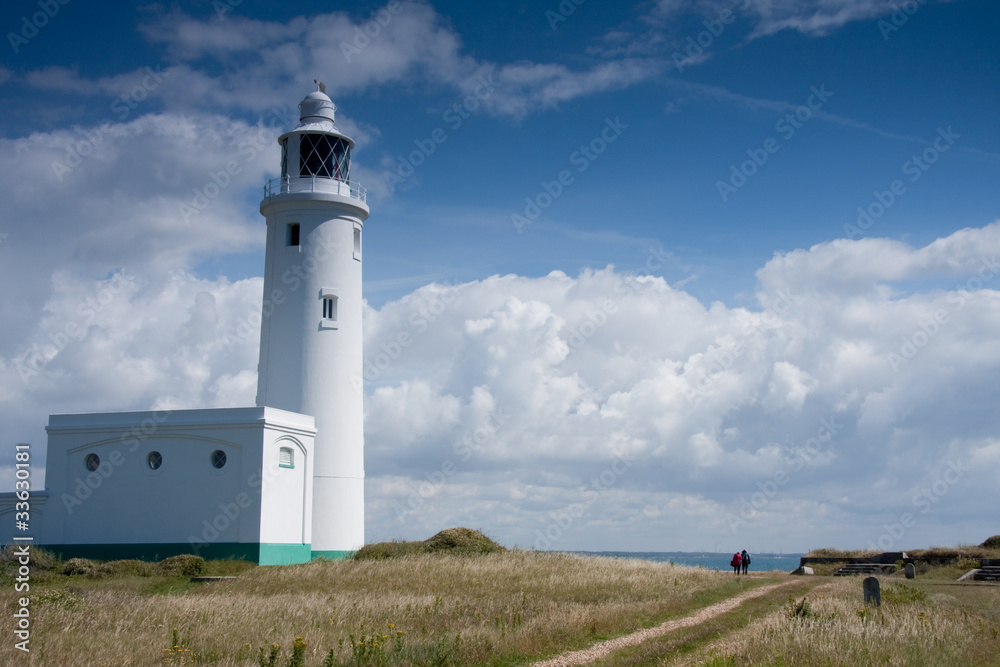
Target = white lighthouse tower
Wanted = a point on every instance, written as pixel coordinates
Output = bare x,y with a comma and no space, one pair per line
310,339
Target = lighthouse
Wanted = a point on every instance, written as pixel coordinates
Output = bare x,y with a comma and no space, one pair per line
311,339
278,483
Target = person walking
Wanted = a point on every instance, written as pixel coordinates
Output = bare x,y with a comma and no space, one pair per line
736,562
745,560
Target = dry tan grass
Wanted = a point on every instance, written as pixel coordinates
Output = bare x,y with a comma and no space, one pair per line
912,627
451,610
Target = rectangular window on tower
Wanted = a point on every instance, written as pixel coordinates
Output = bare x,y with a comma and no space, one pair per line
293,234
357,242
329,298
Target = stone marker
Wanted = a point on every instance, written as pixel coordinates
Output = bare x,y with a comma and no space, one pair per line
910,571
873,594
805,569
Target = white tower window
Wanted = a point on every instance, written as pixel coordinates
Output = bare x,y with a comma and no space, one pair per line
329,297
293,233
286,459
357,242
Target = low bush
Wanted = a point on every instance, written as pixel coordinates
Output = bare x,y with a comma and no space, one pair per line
458,541
186,565
75,566
991,543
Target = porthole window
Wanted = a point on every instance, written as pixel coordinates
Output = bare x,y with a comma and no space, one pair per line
154,460
218,458
93,462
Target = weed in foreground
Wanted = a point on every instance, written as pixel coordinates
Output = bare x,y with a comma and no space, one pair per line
178,653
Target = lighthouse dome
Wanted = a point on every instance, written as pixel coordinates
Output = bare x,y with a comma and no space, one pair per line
316,107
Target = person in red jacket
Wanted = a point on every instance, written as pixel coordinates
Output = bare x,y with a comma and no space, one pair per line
737,562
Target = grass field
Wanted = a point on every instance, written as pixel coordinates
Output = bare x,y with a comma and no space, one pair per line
920,622
430,609
505,608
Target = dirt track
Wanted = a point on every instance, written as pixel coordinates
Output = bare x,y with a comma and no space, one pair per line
605,648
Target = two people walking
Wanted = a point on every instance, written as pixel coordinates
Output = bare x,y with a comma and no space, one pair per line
740,560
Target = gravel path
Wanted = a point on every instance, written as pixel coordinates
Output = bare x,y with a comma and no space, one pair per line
605,648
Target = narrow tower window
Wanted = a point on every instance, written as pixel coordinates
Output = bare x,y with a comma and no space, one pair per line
285,458
330,308
329,297
293,233
357,243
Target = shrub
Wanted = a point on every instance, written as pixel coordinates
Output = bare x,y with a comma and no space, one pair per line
394,549
968,564
82,566
829,552
40,558
120,568
463,540
186,565
459,541
991,542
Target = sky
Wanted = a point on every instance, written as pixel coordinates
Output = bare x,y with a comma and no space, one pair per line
672,275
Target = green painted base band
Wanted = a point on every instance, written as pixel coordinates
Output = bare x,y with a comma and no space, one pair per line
332,555
262,553
284,554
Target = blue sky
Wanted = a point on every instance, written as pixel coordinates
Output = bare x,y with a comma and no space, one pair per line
840,103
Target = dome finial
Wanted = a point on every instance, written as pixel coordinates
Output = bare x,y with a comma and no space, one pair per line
320,85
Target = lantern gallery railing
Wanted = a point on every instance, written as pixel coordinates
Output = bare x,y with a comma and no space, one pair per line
352,189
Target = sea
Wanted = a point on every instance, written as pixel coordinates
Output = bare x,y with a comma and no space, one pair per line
708,560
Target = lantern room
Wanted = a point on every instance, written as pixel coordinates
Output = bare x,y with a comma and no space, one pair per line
316,148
